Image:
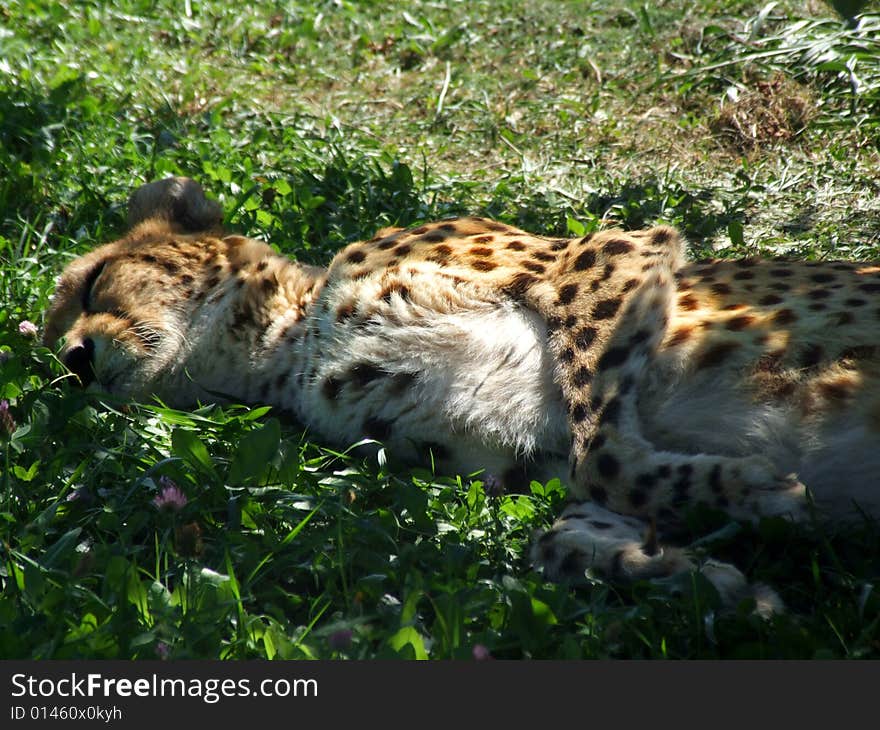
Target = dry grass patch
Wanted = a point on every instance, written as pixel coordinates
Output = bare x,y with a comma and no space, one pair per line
763,113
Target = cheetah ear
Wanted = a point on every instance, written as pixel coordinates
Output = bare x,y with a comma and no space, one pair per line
181,201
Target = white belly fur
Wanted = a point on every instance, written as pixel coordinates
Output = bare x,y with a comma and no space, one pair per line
486,390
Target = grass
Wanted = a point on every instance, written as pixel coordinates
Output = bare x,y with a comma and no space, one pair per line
315,124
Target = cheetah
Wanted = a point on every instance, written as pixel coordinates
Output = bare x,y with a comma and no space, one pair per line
646,382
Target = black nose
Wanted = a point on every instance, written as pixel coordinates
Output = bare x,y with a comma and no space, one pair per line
79,361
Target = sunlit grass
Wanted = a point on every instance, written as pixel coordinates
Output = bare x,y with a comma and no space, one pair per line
314,125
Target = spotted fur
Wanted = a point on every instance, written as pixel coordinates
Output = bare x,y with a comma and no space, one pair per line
648,383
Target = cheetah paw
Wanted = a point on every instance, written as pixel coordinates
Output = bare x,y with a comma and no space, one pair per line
786,497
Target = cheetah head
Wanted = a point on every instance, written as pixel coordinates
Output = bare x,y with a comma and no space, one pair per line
121,312
154,312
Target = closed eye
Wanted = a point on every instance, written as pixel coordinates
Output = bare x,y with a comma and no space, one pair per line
90,285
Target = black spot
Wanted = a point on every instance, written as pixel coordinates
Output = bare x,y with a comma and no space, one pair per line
715,479
519,285
599,525
534,266
585,260
617,246
613,357
439,451
812,356
393,288
647,481
721,289
637,498
738,323
330,388
355,257
611,414
584,338
598,495
582,377
870,288
822,278
515,480
606,308
401,382
377,428
660,236
607,465
345,311
364,373
855,302
567,293
781,273
579,413
770,300
441,252
688,302
572,563
570,321
682,484
716,354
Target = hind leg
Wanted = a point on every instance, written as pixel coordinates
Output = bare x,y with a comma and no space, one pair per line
618,547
